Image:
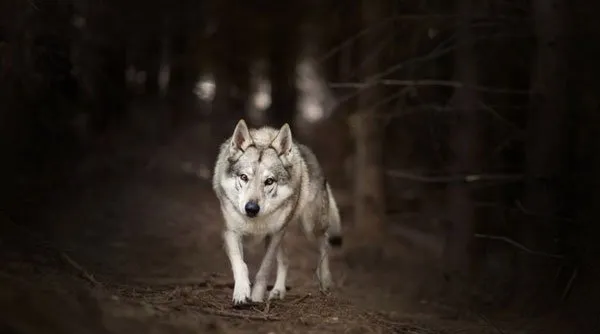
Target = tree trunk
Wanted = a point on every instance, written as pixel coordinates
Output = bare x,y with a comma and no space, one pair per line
223,115
369,202
545,149
465,143
282,72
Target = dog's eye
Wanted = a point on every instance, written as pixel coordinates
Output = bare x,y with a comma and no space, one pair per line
244,177
269,181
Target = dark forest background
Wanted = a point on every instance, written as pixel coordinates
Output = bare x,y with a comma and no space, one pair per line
464,130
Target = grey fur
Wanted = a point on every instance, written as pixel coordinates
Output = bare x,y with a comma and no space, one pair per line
267,168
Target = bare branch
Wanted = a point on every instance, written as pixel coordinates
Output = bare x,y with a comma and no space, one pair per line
457,178
377,78
400,94
374,53
442,48
540,215
352,39
436,53
569,285
430,82
507,141
455,16
518,245
519,208
33,4
367,30
409,17
499,117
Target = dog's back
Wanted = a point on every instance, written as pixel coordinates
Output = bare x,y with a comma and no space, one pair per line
319,214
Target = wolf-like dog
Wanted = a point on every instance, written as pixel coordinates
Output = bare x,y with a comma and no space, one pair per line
264,181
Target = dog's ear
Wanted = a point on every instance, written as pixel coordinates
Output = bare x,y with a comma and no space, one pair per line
283,141
241,138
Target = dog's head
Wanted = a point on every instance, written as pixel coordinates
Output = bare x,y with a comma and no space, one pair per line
259,175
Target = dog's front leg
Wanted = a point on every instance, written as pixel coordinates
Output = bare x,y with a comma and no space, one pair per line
235,252
260,282
278,290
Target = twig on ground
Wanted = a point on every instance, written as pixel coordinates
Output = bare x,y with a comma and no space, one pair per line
301,299
84,273
228,314
267,307
406,327
198,281
160,281
518,245
487,321
50,246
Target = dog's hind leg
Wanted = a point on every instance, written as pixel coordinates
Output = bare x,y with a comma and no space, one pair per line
323,271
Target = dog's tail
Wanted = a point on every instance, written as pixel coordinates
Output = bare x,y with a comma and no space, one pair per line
334,230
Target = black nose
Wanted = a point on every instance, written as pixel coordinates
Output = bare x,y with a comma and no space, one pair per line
252,209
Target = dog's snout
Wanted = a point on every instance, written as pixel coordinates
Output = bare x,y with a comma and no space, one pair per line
252,209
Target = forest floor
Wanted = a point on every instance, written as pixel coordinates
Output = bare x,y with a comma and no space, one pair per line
138,250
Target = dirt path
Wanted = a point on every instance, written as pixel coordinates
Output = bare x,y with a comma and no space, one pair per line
140,252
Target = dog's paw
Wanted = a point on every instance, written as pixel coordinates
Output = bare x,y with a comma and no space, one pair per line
257,297
325,280
241,294
277,293
258,293
326,285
